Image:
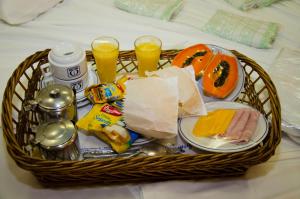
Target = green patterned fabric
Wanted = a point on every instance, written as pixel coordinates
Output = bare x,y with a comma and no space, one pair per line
161,9
249,4
245,30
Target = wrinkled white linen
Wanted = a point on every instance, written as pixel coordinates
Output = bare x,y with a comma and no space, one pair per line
161,9
278,178
19,11
82,21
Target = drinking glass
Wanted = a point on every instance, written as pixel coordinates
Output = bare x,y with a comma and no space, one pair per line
106,51
147,50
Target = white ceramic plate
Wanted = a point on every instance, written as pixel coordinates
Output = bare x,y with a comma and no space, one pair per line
240,84
187,124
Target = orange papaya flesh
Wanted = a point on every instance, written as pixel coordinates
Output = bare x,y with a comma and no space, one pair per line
220,77
200,63
187,56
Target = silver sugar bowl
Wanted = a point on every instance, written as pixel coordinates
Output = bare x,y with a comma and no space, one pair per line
54,102
58,140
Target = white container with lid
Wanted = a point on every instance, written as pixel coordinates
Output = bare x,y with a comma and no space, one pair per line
76,84
67,61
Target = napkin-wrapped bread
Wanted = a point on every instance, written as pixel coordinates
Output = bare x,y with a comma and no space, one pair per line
152,105
190,100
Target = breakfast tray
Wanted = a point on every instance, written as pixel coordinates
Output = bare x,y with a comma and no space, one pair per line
259,92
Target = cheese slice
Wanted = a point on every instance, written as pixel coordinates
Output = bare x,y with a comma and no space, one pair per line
214,123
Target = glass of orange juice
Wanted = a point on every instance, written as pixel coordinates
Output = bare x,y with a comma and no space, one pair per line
147,50
106,51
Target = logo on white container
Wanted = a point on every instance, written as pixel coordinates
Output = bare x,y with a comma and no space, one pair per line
73,71
77,85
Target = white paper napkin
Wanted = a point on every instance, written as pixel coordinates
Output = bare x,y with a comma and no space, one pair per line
150,106
190,100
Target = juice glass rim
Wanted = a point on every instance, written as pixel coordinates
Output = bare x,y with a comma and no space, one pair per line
108,38
149,36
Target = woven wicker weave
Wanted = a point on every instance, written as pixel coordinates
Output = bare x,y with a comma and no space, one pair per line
259,92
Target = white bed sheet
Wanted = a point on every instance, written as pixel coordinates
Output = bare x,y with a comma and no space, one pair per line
74,20
81,21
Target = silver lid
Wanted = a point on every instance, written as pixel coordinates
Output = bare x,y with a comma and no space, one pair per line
56,134
55,97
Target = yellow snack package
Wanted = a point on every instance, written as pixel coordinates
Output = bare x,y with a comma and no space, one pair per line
102,93
117,136
100,115
104,120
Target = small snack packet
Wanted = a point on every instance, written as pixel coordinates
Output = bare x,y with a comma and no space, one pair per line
102,93
105,121
100,115
118,104
117,136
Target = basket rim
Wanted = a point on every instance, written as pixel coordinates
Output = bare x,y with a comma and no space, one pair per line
30,163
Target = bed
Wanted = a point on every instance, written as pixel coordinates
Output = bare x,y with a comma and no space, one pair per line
82,21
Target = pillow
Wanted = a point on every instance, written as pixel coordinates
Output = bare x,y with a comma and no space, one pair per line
161,9
245,30
20,11
249,4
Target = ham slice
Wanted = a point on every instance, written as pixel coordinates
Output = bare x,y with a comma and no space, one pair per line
234,120
243,125
238,127
250,127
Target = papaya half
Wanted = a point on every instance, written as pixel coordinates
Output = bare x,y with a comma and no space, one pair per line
221,76
198,55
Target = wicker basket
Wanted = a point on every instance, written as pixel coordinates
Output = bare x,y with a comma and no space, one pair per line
259,92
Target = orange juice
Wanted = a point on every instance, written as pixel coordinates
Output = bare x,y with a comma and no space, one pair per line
147,54
106,55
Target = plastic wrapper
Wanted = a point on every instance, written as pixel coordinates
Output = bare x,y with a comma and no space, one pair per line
117,136
105,121
102,93
285,73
